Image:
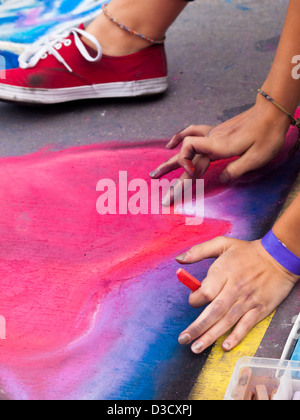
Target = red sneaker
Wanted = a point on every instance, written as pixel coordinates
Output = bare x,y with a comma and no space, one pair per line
63,68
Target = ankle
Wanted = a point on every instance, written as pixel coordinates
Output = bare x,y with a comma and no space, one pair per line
114,40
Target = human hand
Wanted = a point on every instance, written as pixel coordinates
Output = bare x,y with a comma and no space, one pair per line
243,286
256,136
198,166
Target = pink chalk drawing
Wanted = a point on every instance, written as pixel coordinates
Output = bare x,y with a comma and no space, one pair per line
92,302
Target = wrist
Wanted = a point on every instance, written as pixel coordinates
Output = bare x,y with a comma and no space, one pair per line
273,115
287,227
280,253
283,94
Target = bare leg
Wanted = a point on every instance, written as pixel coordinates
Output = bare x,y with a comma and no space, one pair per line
149,17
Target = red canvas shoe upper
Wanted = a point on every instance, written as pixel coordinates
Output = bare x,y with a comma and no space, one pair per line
66,62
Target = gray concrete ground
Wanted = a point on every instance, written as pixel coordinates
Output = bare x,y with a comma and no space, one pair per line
219,53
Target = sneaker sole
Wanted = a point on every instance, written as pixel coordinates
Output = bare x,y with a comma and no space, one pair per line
105,90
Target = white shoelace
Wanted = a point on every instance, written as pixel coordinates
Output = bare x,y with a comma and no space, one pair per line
51,44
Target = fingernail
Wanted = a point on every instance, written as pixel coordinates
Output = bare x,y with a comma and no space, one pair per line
168,146
227,346
184,339
197,348
181,257
190,170
153,174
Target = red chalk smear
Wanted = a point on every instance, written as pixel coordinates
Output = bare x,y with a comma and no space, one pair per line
59,258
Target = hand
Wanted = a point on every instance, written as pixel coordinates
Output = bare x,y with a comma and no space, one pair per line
197,167
256,135
243,286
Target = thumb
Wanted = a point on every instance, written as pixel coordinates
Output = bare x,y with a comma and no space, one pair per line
209,249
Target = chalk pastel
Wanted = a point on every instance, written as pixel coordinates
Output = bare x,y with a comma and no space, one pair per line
243,391
188,280
261,393
296,396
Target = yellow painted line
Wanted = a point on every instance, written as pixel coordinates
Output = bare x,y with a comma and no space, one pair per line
217,371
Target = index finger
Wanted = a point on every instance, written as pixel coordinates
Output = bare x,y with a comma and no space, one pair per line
215,311
166,167
191,130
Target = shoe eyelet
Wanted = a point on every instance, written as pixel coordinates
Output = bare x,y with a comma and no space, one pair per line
58,46
67,42
44,56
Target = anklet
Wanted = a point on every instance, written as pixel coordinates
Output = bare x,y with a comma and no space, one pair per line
130,31
295,122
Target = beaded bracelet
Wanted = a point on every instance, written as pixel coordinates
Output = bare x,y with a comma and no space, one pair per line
295,122
281,253
130,31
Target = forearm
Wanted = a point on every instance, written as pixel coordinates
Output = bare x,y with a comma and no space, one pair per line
285,89
287,228
280,83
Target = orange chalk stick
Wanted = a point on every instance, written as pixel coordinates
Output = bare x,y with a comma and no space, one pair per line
188,280
243,391
261,393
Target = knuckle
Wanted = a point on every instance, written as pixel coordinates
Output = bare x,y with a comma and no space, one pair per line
207,295
221,241
259,307
235,314
195,330
196,251
214,270
181,160
251,301
209,338
219,307
239,287
188,140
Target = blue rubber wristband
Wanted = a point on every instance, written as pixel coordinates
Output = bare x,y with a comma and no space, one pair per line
281,253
